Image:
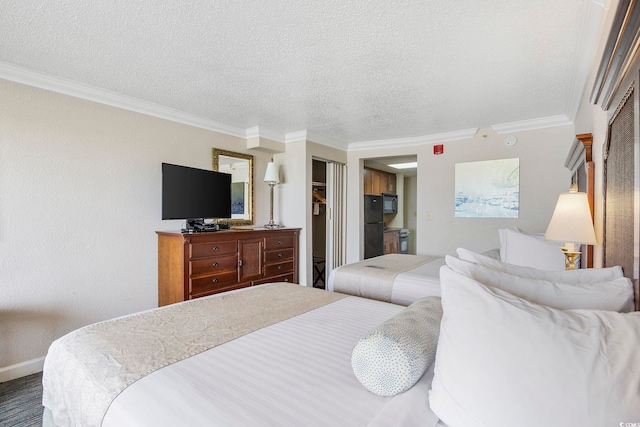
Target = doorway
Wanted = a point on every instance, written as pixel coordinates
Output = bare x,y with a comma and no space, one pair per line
405,170
328,237
319,222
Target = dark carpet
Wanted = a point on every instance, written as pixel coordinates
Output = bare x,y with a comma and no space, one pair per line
21,402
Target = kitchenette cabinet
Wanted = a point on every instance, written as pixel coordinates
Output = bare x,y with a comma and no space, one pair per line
392,242
377,182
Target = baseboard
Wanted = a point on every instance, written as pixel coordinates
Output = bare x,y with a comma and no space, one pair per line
21,369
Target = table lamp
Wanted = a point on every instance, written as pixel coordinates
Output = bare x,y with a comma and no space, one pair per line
271,177
571,222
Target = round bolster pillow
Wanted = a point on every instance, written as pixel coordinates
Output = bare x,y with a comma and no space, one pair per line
392,357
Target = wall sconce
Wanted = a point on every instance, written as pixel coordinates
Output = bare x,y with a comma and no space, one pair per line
271,177
571,223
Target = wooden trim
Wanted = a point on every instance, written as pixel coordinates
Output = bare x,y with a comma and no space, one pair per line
619,53
587,141
580,154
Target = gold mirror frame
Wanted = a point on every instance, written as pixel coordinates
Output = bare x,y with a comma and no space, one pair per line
248,202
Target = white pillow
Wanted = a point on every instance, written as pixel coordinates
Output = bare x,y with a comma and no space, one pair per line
530,250
582,275
504,362
492,253
392,357
616,295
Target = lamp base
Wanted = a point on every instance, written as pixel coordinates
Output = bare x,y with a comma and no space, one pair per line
570,261
272,226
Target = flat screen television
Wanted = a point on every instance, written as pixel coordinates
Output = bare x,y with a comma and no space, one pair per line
195,194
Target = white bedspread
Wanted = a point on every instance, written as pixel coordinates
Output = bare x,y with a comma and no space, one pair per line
293,373
411,285
104,358
421,282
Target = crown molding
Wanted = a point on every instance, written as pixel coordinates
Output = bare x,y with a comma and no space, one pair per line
297,136
532,124
64,86
305,135
592,15
412,141
68,87
259,132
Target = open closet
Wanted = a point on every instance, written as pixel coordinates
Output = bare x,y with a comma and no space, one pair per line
328,218
319,221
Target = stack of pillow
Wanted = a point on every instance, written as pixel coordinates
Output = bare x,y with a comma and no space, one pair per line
531,250
529,347
516,344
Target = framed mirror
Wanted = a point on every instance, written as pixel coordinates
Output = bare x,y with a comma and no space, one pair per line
240,166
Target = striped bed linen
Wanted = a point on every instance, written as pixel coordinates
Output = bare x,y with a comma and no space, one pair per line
296,372
407,286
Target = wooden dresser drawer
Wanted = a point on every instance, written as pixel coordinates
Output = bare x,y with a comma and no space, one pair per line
277,269
194,265
278,255
284,278
213,283
203,250
278,242
213,265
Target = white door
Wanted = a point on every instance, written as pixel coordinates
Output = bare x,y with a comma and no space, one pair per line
336,216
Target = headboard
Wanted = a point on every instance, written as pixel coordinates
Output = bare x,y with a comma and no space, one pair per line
621,213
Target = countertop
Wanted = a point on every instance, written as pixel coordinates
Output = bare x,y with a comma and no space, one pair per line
389,230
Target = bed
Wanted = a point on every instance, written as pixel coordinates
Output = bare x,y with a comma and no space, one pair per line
396,278
403,279
284,348
283,354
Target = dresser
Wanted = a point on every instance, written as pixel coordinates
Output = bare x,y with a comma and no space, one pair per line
192,265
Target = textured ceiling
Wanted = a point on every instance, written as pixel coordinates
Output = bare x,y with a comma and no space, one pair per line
352,71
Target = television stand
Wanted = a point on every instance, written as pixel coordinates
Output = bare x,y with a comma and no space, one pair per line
193,265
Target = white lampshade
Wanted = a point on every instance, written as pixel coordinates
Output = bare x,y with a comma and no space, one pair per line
272,173
571,221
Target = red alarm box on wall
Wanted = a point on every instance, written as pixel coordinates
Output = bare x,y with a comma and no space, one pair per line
438,149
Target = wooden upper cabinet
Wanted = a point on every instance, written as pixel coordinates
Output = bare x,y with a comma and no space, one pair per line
376,186
384,182
368,181
377,182
391,185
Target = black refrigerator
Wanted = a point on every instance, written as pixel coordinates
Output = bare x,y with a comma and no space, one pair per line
373,226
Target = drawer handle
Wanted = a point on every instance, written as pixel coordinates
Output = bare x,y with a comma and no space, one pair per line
280,255
279,267
239,263
215,280
215,264
286,280
279,242
215,248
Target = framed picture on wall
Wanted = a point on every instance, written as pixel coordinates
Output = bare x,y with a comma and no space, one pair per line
487,189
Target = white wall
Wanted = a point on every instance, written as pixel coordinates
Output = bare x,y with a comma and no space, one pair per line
80,201
295,203
411,209
542,178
